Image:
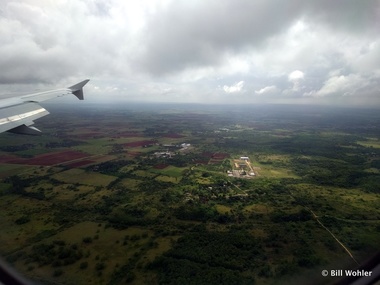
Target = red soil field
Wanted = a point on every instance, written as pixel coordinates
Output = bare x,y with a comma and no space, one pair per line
161,166
220,155
201,161
206,154
7,157
134,153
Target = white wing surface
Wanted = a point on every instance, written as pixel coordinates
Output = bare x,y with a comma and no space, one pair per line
18,114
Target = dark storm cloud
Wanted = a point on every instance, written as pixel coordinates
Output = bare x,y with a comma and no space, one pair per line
193,34
348,15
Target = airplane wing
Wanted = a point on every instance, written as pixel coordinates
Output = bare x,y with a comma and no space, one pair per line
17,114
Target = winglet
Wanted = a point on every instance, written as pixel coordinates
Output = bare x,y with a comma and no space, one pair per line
77,89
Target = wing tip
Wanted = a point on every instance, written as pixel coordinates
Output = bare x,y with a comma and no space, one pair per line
77,89
79,85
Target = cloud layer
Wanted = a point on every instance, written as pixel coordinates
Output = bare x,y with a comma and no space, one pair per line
292,51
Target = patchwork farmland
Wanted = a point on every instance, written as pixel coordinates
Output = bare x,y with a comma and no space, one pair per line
146,197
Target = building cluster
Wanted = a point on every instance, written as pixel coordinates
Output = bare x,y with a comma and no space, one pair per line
242,168
170,148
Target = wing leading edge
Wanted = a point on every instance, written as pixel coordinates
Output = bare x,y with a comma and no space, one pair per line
17,114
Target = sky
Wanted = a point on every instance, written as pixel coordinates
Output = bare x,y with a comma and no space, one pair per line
213,52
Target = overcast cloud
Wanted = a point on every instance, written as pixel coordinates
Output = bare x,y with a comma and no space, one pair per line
215,51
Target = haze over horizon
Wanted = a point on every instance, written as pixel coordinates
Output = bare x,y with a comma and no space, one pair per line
226,52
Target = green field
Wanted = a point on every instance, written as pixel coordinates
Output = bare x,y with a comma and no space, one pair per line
9,169
79,176
375,143
171,172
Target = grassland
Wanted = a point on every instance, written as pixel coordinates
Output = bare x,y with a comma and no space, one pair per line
371,142
79,176
130,215
9,169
